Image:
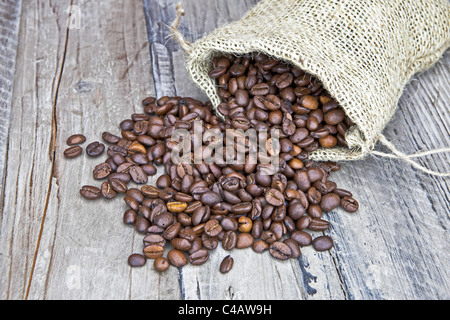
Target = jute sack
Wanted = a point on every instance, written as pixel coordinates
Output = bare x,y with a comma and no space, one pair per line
363,51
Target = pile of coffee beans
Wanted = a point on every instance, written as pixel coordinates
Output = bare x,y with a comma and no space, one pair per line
194,207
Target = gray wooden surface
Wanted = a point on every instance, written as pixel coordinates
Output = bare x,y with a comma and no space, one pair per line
56,81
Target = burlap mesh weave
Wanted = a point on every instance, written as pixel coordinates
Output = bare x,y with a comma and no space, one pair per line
363,51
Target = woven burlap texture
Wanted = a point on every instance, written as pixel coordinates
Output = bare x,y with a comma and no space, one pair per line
364,52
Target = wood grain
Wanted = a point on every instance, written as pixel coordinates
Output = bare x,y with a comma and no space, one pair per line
87,78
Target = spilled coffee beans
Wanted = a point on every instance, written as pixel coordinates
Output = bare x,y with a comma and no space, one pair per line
196,204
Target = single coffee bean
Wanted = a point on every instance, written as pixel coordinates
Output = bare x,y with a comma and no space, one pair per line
260,246
199,257
102,170
154,239
322,243
274,197
75,139
349,204
161,264
295,248
245,224
329,201
280,250
213,228
301,237
110,138
107,191
244,240
129,217
177,258
229,240
181,244
136,260
226,264
176,207
317,224
90,192
73,152
95,149
153,251
118,185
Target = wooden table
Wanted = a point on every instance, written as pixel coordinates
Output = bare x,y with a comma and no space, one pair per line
56,81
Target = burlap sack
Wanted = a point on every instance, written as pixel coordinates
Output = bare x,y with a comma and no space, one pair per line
363,51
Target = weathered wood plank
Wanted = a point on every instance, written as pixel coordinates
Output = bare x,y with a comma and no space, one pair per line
29,176
9,29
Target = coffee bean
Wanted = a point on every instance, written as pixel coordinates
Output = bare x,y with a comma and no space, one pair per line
229,240
199,257
280,250
213,227
322,243
349,204
161,264
95,149
136,260
244,240
301,237
226,264
102,170
73,152
153,251
295,248
107,191
90,192
274,197
75,139
177,258
329,202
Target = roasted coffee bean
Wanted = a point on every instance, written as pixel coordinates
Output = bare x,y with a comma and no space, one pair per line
245,224
260,246
102,170
142,224
176,207
118,185
107,191
177,258
349,204
73,152
322,243
161,264
153,251
110,138
280,250
295,248
229,240
154,239
181,244
244,240
301,237
90,192
329,201
274,197
75,139
129,217
226,264
317,224
136,260
199,257
213,227
95,149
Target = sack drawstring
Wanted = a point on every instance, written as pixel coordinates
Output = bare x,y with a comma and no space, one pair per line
400,155
174,29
